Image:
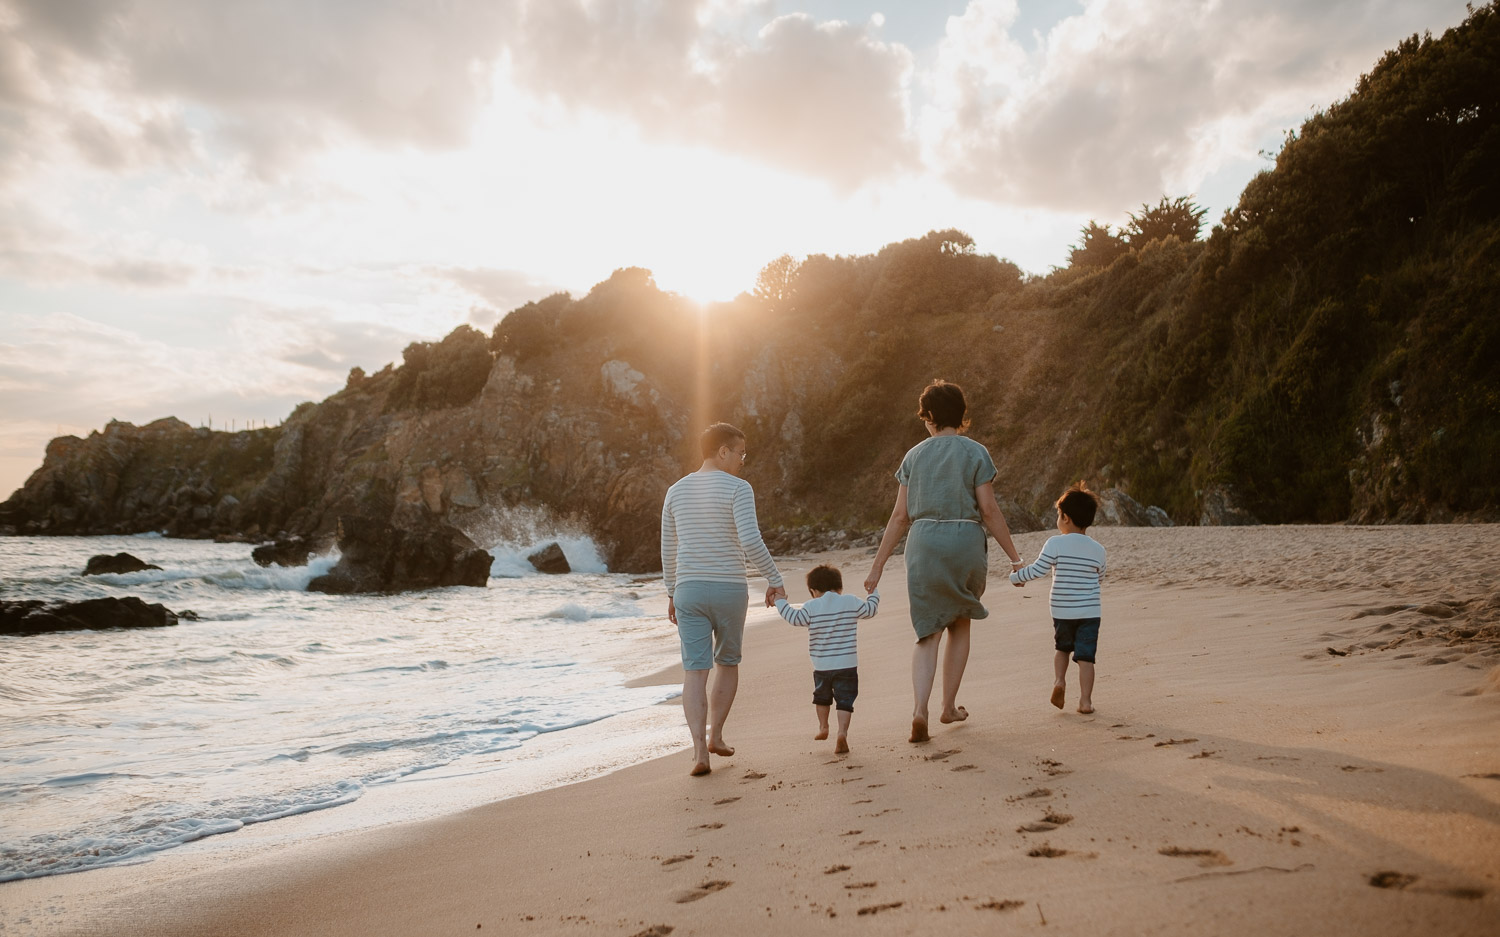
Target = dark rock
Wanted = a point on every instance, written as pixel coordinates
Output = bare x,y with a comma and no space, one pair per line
550,559
1158,517
1219,509
119,563
292,552
36,617
376,557
1118,509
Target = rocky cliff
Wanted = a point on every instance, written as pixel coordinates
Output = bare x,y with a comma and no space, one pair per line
1326,353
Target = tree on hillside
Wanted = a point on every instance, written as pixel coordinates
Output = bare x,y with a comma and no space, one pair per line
1179,217
775,282
1097,246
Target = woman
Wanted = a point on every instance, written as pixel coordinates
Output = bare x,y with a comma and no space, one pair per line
947,499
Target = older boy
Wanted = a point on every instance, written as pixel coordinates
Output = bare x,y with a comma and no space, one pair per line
1079,563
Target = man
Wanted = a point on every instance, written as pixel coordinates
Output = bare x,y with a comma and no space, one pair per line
708,531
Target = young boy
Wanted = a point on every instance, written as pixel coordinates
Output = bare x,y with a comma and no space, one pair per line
1079,562
830,619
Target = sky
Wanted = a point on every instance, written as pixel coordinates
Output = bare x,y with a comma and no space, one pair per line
214,210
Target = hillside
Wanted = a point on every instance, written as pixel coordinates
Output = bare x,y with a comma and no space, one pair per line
1327,353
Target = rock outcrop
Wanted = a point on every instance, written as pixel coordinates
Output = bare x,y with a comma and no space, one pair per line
293,551
377,557
1221,509
550,559
104,563
1118,509
37,617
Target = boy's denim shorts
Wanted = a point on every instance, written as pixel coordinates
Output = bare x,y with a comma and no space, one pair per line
1078,635
710,623
841,686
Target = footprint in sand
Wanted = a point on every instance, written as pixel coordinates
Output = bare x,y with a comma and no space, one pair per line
1203,754
835,869
1054,769
1175,742
941,756
655,930
963,767
1492,776
1009,904
1136,738
1046,851
851,832
854,885
709,826
1401,881
1361,768
1206,857
1037,826
753,775
673,860
702,891
1030,795
725,800
867,842
877,908
865,801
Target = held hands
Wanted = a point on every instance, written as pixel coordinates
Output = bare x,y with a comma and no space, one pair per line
1015,565
872,580
773,593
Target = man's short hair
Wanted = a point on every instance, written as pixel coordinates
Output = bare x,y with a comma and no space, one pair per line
825,579
942,404
1079,504
716,437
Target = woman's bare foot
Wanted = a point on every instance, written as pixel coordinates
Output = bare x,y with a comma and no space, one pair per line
957,714
841,747
919,731
822,734
1085,708
699,769
1058,693
719,748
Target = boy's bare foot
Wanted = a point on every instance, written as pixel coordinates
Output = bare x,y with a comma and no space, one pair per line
1057,696
719,748
822,734
919,731
699,769
842,746
1085,708
957,714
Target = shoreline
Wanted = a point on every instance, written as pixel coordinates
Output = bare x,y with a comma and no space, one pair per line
1237,776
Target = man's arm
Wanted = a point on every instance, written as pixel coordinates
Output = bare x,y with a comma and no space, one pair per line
748,529
668,547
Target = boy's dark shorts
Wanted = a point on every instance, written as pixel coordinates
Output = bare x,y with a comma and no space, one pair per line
1079,635
840,686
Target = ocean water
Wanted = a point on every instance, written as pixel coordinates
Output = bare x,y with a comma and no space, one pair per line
117,744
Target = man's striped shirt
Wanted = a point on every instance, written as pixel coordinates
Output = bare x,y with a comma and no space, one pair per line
709,531
830,620
1078,561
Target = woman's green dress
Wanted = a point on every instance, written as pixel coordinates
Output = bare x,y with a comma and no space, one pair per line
946,548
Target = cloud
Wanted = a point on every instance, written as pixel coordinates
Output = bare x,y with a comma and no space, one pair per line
1133,98
822,99
504,290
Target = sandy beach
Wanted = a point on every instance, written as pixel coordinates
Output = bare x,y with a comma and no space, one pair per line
1297,731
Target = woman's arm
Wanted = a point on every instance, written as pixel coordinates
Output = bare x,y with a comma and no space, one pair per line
994,521
894,529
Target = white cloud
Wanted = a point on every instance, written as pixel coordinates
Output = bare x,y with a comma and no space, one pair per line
1134,98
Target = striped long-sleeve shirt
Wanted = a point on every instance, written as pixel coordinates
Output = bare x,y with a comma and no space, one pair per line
830,620
709,531
1078,560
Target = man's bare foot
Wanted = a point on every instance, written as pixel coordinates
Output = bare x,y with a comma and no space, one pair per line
1058,693
1085,708
958,714
822,734
919,731
719,748
699,769
841,747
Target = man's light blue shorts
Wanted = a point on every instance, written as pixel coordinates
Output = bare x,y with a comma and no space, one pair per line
711,623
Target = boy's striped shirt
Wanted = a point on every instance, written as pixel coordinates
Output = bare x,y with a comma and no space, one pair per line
1078,561
830,620
709,530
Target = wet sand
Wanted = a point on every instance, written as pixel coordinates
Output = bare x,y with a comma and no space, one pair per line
1297,731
